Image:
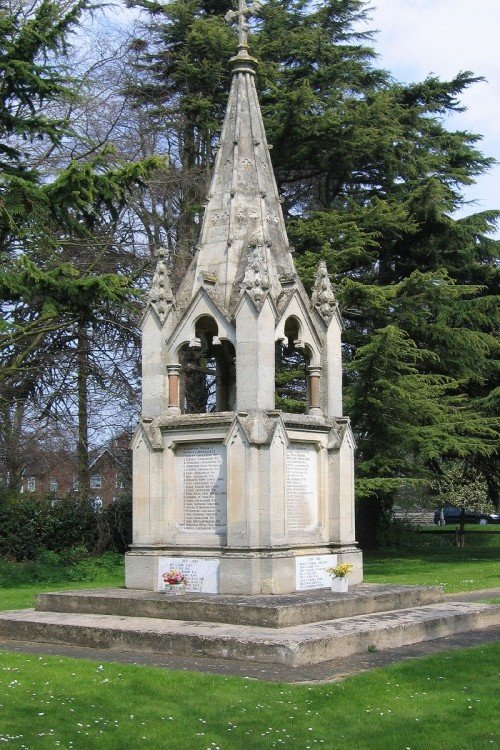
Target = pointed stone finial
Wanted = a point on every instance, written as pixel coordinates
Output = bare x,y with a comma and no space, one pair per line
323,297
160,296
256,278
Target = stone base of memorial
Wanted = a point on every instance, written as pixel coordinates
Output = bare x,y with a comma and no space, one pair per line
246,503
340,585
256,573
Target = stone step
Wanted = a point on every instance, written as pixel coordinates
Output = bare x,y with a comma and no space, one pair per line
294,646
277,611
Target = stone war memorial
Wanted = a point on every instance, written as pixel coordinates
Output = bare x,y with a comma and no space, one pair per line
248,503
242,497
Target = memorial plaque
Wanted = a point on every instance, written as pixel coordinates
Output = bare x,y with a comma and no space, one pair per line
302,487
203,488
310,571
202,574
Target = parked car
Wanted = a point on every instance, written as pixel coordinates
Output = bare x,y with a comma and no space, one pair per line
452,515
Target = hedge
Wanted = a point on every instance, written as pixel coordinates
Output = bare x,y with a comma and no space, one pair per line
31,524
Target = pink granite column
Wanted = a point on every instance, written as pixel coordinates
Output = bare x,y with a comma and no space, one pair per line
173,388
314,376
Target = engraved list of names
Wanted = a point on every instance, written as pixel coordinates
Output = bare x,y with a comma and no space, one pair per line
202,475
302,487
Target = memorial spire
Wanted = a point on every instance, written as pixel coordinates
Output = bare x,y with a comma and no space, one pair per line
241,496
243,210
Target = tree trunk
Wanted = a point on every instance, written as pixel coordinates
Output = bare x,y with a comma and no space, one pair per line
82,449
11,442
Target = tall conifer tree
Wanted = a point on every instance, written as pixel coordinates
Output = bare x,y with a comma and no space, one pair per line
370,178
55,286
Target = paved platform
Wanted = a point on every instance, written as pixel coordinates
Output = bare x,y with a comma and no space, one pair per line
294,646
279,611
284,630
479,595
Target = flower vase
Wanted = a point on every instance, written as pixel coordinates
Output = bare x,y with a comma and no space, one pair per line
175,588
340,585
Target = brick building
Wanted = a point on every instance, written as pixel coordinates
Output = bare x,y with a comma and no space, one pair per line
50,472
55,472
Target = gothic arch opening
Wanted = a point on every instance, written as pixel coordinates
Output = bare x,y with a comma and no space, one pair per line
292,361
208,375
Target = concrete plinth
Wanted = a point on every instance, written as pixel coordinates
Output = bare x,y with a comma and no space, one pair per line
262,611
241,572
293,646
267,497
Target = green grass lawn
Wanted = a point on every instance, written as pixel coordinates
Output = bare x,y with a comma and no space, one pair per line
457,569
99,572
444,701
23,597
441,701
475,535
489,528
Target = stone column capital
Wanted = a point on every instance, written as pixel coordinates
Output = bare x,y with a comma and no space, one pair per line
314,371
174,369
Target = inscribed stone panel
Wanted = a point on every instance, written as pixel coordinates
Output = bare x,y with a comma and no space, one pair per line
302,487
202,482
202,574
310,571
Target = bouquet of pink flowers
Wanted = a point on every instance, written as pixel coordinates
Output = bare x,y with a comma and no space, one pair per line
174,577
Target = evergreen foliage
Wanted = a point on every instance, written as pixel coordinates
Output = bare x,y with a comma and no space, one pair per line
39,217
371,178
29,37
32,526
66,294
290,380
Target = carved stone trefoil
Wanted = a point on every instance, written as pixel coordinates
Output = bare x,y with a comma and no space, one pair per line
161,297
323,297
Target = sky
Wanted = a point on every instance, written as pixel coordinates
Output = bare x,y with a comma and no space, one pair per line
416,38
420,37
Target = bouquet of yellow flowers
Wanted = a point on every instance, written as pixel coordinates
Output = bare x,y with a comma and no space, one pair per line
340,571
